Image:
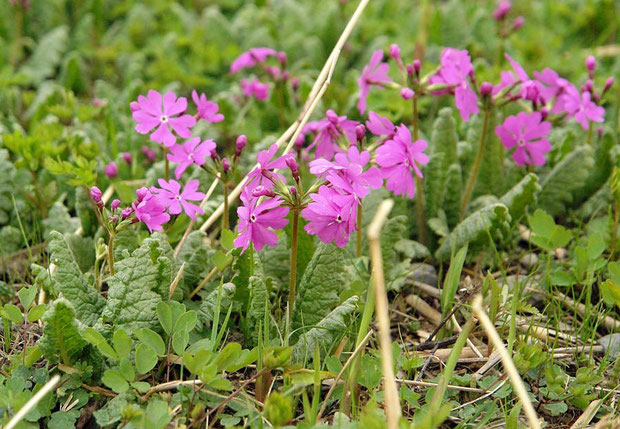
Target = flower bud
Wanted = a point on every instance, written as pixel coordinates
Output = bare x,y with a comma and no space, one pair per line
518,23
274,72
115,204
410,69
590,63
113,219
127,157
285,75
417,65
294,167
599,132
141,193
111,170
486,88
95,194
544,112
242,141
502,10
225,165
395,52
589,85
148,153
360,132
282,58
407,93
262,191
295,84
332,116
608,84
293,191
126,212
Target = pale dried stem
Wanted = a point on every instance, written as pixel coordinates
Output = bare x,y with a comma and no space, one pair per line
32,402
318,89
203,282
509,366
587,415
420,306
176,280
448,386
392,401
608,322
458,330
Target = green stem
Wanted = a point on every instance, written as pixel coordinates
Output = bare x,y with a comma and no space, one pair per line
166,164
477,162
590,128
418,183
225,214
111,254
358,247
293,275
18,26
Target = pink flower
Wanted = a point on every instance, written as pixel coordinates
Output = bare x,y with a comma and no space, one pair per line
380,126
255,221
149,114
310,127
529,88
177,201
207,110
331,128
265,164
346,174
526,132
149,210
374,74
111,170
397,157
192,152
455,69
583,108
502,10
254,88
251,58
331,216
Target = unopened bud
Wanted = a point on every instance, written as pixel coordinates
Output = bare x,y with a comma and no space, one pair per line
417,65
242,141
141,193
115,204
518,23
486,88
410,69
148,153
407,93
293,191
332,116
127,157
395,52
113,219
608,84
544,112
294,167
225,165
590,63
126,212
295,84
95,194
111,170
282,58
285,75
262,191
589,85
599,132
360,132
502,10
274,72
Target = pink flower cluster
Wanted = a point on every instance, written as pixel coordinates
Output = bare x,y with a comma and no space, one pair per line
257,57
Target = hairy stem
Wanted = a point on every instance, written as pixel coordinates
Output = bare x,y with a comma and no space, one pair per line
111,254
166,164
476,167
293,275
358,243
419,197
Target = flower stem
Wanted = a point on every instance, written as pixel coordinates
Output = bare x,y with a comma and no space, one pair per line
111,254
358,247
590,128
418,183
225,214
166,164
293,275
476,167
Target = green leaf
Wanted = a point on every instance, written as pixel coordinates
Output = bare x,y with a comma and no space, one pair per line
146,359
47,55
326,331
473,228
122,343
69,281
180,341
152,339
566,178
36,312
159,266
115,381
227,239
83,249
258,304
95,338
61,338
27,296
520,196
452,195
61,221
131,300
186,322
490,181
451,283
221,260
13,313
545,233
196,255
209,301
320,286
164,315
126,369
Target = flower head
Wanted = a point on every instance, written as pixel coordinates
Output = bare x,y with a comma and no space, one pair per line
330,129
155,111
192,152
380,126
149,210
111,170
399,158
331,216
254,88
127,157
454,71
176,200
502,10
250,58
263,172
374,74
583,109
525,133
530,89
95,194
346,174
257,221
207,110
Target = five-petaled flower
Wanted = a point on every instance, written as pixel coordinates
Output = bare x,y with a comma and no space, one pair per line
192,152
582,108
331,128
163,113
207,110
374,74
331,216
397,158
257,220
250,58
176,200
262,175
149,209
525,133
